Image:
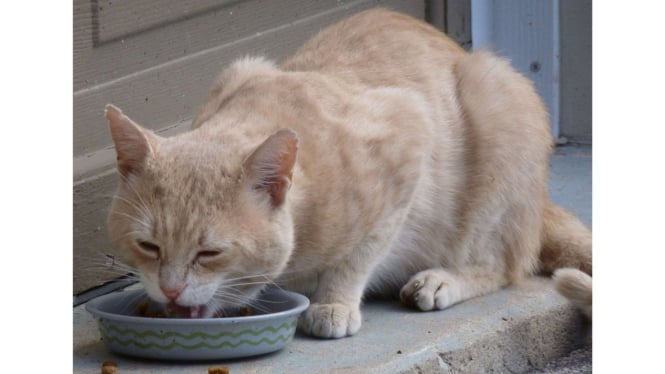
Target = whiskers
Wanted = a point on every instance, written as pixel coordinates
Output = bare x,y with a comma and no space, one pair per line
105,264
139,211
140,207
141,221
104,271
245,291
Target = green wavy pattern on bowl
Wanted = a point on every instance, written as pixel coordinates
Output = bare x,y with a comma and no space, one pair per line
125,343
144,334
114,334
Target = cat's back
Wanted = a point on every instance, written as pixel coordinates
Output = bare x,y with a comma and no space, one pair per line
376,47
349,65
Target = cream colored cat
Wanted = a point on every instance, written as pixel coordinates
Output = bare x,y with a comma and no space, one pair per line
381,158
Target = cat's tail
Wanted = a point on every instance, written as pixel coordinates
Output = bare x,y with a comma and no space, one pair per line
566,253
576,287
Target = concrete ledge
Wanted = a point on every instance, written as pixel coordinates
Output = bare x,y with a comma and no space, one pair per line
514,330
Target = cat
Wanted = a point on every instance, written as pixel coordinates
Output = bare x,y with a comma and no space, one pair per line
380,159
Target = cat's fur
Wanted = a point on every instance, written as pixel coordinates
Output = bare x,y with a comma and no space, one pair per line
380,158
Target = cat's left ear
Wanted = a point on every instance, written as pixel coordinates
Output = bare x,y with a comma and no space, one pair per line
133,144
270,168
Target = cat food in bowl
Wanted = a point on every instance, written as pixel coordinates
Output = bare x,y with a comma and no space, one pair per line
270,326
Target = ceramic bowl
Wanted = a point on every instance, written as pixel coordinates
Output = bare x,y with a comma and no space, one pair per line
197,339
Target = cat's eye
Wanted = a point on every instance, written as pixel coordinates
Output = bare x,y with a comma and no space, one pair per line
207,255
150,248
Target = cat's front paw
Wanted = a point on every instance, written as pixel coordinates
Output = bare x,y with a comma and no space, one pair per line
330,320
430,289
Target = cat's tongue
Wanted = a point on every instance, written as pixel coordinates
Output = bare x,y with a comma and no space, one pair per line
179,311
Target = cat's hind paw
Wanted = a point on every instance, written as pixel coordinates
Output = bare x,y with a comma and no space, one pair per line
330,320
430,289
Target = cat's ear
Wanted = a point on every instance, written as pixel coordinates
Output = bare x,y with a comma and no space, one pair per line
133,145
270,168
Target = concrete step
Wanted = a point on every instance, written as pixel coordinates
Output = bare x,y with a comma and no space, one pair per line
577,362
514,330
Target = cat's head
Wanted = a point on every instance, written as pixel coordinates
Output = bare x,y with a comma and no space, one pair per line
204,223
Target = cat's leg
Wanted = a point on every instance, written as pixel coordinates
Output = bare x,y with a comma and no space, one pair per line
440,288
335,308
334,311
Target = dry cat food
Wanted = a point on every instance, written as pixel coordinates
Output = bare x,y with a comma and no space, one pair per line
242,312
143,309
246,311
109,367
218,370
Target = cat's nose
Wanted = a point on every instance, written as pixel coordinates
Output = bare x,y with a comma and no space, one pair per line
172,293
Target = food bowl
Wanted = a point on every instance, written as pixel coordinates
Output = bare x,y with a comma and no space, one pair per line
197,339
